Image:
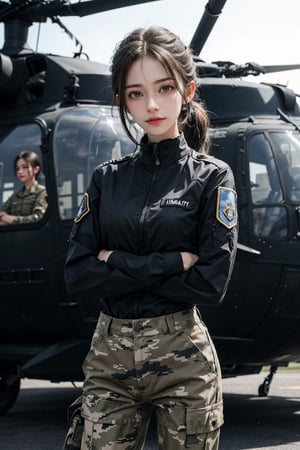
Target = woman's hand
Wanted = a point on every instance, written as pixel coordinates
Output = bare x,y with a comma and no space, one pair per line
6,219
188,260
103,255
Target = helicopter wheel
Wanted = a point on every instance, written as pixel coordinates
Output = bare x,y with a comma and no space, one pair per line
263,389
9,390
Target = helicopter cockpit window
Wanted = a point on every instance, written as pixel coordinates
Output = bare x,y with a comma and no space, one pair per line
13,141
264,180
287,149
84,138
269,217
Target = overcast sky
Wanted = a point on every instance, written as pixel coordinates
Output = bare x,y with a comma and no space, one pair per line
263,31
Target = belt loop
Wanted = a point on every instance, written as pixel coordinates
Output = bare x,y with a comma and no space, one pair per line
170,323
105,324
198,312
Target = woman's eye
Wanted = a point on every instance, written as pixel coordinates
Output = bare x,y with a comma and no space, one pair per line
167,88
22,168
134,94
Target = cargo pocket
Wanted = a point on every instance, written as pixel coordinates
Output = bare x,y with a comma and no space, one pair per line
204,420
76,425
190,428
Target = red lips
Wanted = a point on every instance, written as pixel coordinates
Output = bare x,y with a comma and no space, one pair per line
155,120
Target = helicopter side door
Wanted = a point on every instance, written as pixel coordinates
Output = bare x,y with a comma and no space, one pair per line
278,231
245,325
26,250
261,300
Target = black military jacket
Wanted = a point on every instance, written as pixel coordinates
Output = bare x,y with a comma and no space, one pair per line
147,207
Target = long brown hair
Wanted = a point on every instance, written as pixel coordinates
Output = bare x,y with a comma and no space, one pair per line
177,60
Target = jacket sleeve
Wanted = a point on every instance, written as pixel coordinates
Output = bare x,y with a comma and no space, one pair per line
84,273
206,281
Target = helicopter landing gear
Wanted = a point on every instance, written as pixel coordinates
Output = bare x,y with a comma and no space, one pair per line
264,388
9,390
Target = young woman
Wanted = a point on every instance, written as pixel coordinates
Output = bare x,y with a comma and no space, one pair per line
30,203
155,237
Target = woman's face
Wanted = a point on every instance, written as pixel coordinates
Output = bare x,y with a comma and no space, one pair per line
152,99
25,172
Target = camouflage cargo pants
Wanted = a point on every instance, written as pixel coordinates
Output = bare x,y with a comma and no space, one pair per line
168,362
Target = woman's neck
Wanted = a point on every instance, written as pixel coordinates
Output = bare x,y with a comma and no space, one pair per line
29,184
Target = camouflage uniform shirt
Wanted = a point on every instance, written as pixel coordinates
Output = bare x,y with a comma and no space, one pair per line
29,205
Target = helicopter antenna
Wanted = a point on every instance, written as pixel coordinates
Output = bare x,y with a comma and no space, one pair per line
56,20
287,119
38,37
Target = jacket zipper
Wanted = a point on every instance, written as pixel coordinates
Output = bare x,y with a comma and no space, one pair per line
146,206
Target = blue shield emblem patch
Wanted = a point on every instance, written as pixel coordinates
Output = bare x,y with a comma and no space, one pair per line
226,212
84,208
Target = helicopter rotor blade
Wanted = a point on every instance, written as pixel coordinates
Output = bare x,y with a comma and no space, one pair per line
281,68
213,9
90,7
40,11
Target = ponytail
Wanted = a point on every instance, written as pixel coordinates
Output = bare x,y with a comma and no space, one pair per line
194,123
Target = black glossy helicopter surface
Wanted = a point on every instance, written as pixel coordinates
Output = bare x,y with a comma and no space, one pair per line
60,108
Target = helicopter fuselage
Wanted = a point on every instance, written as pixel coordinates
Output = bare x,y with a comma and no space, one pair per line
61,108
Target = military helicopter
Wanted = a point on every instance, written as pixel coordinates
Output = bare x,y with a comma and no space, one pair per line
60,107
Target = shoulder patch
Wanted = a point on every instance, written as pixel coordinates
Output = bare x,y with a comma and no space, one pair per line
84,208
226,212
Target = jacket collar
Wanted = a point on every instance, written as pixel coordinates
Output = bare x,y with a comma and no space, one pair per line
164,152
